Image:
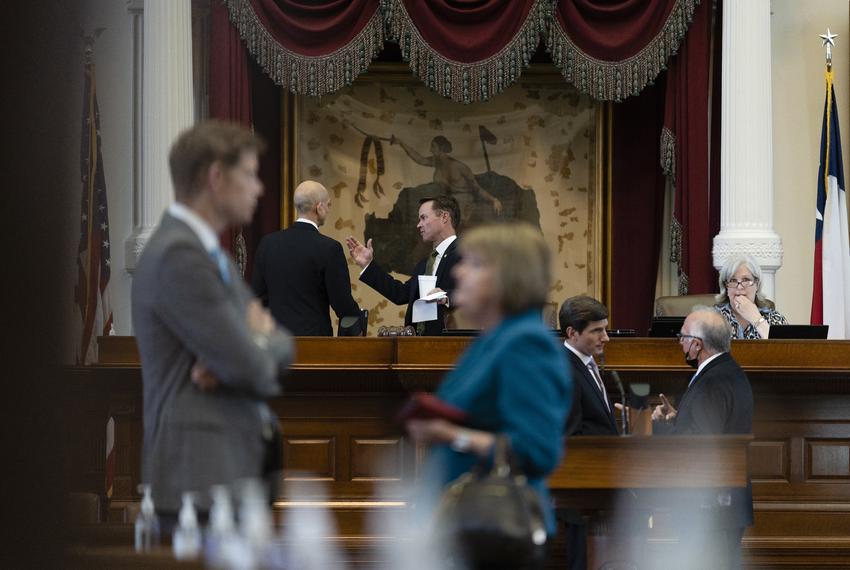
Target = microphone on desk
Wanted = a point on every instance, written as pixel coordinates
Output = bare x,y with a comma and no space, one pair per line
619,383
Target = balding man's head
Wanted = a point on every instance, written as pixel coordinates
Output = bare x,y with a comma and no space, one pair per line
312,201
709,325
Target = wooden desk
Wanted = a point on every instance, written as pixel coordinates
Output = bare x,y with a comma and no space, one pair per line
341,396
653,462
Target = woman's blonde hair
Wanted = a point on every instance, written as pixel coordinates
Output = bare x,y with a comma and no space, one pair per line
520,259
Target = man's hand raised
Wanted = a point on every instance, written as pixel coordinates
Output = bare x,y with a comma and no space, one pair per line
665,411
361,254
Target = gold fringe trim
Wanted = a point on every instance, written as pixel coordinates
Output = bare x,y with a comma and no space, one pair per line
675,240
240,249
676,253
668,153
305,75
466,82
614,81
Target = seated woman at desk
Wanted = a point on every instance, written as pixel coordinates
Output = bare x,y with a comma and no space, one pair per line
748,312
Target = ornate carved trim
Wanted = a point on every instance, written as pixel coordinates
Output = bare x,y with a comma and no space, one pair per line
767,250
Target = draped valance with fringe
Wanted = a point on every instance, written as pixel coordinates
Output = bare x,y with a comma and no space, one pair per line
310,48
465,50
611,50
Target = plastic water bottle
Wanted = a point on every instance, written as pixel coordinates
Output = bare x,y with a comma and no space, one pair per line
147,523
187,536
221,538
254,515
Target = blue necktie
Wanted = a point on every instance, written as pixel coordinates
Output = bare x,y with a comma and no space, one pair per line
220,260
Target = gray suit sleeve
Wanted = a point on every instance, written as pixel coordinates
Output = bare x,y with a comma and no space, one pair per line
195,304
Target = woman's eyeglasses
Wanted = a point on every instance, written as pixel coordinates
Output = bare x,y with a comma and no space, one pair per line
737,284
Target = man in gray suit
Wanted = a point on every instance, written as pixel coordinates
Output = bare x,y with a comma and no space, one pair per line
210,352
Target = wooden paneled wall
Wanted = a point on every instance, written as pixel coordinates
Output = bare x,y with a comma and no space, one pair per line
341,397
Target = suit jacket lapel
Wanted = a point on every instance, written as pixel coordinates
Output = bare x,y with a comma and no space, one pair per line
176,224
722,358
590,381
441,269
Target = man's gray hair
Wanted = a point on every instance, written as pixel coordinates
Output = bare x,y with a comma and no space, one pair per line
712,328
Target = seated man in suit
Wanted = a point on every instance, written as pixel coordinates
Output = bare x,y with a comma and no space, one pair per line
584,321
718,400
211,354
298,272
438,219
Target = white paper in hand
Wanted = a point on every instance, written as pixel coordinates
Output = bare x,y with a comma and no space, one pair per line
434,296
424,311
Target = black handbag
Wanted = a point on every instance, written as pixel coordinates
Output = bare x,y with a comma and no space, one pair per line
491,518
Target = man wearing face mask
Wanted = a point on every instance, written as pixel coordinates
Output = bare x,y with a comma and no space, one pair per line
718,400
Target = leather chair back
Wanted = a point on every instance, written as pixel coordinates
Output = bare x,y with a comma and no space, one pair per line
681,305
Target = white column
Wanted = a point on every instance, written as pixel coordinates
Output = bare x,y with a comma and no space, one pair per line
167,109
746,153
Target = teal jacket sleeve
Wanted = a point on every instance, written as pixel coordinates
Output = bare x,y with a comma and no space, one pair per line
534,397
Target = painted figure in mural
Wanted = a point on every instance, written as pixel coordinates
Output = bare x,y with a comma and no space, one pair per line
453,176
482,198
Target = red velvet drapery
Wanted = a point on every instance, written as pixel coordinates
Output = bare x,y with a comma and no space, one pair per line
637,209
688,157
612,50
689,153
310,48
467,51
230,98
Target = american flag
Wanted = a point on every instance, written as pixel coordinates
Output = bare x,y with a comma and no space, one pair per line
93,271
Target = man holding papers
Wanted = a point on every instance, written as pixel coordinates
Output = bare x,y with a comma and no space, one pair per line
432,277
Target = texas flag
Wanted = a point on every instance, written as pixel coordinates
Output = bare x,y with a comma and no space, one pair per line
831,291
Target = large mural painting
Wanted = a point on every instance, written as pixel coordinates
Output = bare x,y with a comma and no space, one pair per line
529,153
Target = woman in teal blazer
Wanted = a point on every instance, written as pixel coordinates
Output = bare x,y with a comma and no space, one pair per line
513,379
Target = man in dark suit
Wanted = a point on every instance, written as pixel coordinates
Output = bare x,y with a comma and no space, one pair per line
584,321
211,354
718,400
438,219
298,272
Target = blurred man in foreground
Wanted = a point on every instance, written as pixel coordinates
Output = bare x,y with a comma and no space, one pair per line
210,353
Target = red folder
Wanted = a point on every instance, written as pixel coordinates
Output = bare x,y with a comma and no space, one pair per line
425,406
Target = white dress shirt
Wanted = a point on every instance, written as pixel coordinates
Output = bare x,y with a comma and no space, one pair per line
205,233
